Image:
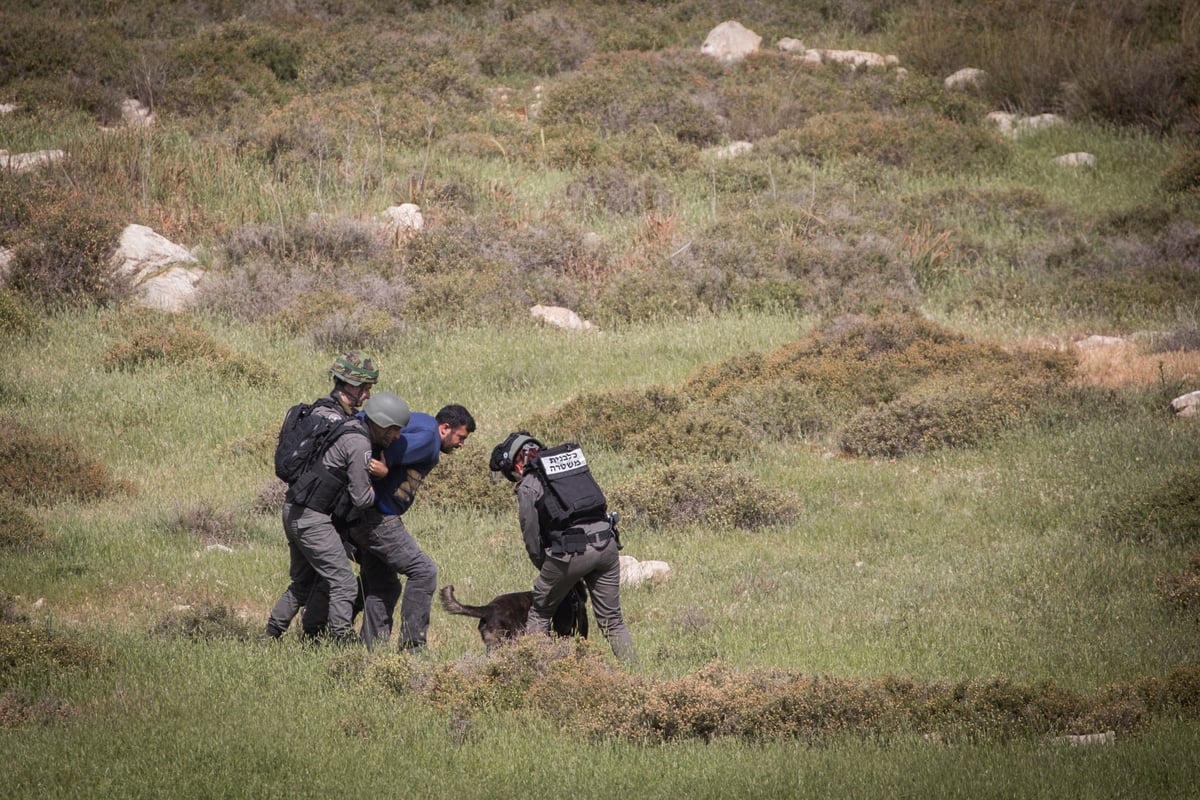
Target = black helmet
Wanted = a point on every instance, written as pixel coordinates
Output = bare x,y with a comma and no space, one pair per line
504,455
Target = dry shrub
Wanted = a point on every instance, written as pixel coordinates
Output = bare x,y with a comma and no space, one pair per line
885,385
334,308
30,654
605,419
171,341
270,498
19,528
311,242
1170,361
578,688
19,708
337,321
919,141
616,190
679,495
17,320
1183,175
204,623
41,469
63,262
614,92
542,42
1183,590
1167,512
961,410
693,434
209,525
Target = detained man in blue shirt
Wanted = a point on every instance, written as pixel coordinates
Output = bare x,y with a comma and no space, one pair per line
386,550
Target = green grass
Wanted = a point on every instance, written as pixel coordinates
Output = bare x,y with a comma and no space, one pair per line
1013,565
153,735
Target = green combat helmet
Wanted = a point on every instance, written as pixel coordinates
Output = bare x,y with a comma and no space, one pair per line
354,368
387,410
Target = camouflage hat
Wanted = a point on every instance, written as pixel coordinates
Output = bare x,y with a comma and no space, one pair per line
354,368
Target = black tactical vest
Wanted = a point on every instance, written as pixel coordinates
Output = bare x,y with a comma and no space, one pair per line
571,495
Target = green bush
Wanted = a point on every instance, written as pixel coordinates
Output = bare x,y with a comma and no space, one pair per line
17,320
543,42
19,528
41,469
1183,175
204,623
693,434
942,412
1183,590
1168,512
32,656
227,65
617,92
918,141
714,496
606,419
1133,64
58,59
64,261
884,386
171,341
209,525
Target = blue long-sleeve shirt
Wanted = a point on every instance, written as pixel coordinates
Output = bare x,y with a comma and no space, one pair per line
409,459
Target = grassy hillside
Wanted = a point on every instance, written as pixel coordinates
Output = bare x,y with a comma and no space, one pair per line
920,529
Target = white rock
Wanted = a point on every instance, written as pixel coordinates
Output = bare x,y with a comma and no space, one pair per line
405,215
730,42
634,573
1108,737
856,58
966,78
731,150
1076,160
1096,341
173,290
24,162
135,114
1187,405
151,263
142,253
560,317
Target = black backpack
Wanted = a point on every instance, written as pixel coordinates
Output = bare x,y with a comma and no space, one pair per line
304,437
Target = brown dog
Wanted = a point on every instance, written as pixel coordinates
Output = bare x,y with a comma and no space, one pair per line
504,617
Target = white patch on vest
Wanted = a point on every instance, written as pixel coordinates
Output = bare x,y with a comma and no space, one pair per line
564,462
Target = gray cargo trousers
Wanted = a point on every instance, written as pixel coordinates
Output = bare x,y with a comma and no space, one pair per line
386,550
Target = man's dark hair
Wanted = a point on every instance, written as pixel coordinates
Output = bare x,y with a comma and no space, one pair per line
456,416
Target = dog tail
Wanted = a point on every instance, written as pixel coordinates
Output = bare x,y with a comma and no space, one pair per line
454,607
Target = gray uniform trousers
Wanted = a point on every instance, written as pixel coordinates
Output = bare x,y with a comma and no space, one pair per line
387,550
317,555
600,568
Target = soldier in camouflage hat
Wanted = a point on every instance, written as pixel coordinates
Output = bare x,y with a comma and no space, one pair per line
354,374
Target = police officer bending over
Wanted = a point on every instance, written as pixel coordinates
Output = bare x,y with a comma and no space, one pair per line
568,533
